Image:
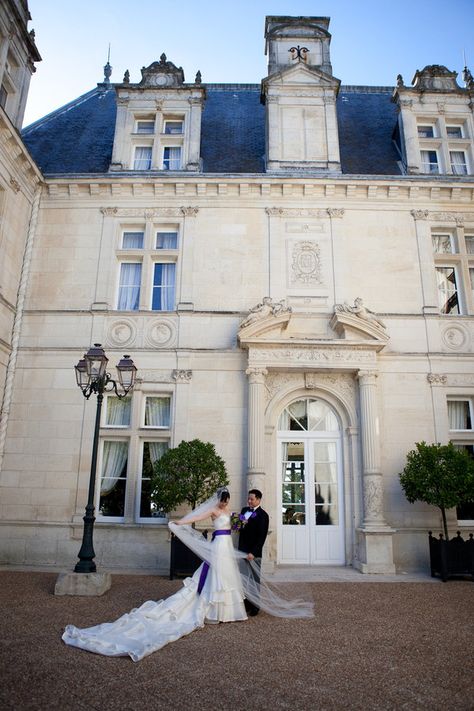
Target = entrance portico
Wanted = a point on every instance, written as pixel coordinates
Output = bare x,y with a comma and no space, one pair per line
339,373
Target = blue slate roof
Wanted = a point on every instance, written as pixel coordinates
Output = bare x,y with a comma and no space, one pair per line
78,137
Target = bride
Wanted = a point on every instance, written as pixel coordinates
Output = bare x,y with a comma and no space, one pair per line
215,593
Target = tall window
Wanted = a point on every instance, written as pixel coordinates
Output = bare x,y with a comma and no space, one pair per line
147,270
453,251
142,160
129,287
163,297
461,433
172,158
135,433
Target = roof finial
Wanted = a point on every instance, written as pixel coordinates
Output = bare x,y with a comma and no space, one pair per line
107,69
466,75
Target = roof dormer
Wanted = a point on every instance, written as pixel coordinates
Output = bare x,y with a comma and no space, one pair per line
435,123
158,126
300,97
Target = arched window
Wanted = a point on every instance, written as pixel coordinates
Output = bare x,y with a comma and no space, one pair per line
308,415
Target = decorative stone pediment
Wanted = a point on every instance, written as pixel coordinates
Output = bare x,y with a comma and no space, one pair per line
299,74
435,77
162,73
356,322
267,319
272,324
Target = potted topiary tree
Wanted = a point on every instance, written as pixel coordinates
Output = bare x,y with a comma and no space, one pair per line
190,472
443,476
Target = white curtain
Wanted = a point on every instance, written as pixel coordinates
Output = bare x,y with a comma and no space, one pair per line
166,240
469,239
442,244
113,461
164,287
172,158
447,290
458,411
157,412
132,240
157,449
129,290
118,411
142,158
458,162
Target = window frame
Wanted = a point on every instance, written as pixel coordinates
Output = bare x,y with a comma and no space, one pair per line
121,262
462,260
462,438
135,159
164,159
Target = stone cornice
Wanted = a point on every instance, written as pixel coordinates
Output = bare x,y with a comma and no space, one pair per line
404,191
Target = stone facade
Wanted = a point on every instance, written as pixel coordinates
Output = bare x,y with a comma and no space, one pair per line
299,284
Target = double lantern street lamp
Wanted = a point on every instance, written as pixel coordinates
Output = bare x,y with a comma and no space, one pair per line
92,377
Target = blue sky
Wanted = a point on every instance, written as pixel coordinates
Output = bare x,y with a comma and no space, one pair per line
372,40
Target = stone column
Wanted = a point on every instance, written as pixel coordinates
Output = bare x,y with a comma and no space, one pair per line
194,135
273,132
375,554
256,428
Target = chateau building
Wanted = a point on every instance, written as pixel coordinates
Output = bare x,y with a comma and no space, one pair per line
290,265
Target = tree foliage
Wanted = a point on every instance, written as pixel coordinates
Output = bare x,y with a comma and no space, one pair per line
440,475
190,472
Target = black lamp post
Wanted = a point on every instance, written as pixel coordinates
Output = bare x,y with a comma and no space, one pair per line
92,377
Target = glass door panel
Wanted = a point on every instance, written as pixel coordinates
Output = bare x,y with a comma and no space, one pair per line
293,484
325,484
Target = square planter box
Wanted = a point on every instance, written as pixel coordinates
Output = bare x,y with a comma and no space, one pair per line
183,562
451,558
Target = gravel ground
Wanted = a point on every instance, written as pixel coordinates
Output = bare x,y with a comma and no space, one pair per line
377,646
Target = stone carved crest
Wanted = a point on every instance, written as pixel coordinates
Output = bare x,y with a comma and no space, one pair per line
306,263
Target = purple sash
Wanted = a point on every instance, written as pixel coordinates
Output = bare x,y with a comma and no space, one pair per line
205,567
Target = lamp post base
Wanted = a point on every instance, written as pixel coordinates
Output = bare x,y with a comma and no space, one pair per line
85,584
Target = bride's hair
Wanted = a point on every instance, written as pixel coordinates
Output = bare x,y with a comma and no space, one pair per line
224,496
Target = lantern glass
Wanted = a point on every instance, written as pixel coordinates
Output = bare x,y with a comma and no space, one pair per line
126,373
96,362
82,376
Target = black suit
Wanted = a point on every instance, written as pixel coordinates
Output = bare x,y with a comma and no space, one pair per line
251,539
252,536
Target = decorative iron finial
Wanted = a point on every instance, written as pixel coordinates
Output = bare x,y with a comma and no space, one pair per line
299,53
107,69
198,78
126,77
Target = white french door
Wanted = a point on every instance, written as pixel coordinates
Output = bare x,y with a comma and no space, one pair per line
311,526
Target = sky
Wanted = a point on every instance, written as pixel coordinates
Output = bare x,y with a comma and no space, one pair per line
372,40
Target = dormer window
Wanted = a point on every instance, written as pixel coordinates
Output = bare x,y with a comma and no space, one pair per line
174,127
145,126
172,158
142,158
426,131
429,162
458,162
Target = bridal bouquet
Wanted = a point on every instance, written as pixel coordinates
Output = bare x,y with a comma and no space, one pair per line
238,521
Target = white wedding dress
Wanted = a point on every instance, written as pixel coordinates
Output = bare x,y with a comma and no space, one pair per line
154,624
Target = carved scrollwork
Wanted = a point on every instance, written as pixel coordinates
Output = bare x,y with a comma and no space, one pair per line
182,376
436,379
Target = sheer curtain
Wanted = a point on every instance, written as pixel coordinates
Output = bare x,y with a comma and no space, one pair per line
157,412
442,244
458,162
458,411
166,240
142,158
132,240
129,290
118,412
114,460
157,449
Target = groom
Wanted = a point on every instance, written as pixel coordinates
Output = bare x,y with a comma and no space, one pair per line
252,537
